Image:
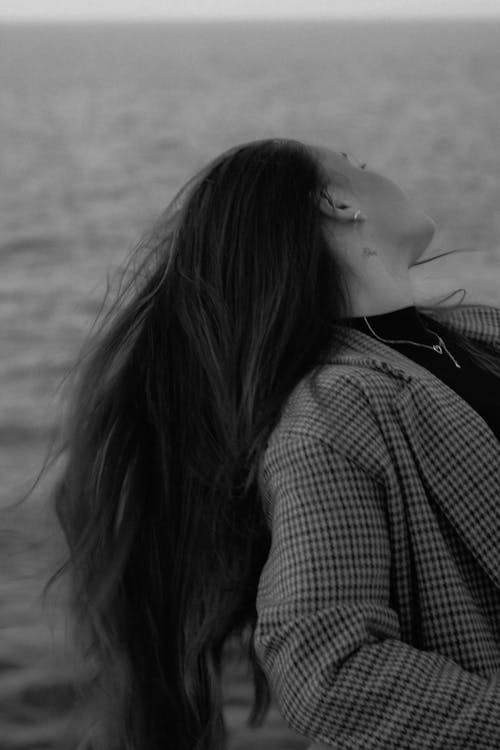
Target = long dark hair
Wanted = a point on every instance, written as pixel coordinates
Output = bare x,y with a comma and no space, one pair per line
229,303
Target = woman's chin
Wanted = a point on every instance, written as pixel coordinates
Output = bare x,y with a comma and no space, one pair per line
424,235
429,228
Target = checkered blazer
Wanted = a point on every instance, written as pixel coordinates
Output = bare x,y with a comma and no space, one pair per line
378,608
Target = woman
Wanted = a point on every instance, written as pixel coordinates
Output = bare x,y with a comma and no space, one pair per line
345,534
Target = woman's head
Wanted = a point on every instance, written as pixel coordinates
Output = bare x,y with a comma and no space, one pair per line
231,301
375,252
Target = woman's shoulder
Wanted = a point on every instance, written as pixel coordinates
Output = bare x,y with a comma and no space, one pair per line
342,408
336,392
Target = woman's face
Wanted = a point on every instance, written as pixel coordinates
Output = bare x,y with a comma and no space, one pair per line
391,215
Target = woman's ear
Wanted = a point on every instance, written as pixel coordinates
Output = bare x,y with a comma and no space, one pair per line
326,205
339,209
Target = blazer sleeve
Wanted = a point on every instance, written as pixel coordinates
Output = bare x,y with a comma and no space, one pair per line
326,636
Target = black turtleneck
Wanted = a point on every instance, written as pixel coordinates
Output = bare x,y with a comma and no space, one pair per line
478,387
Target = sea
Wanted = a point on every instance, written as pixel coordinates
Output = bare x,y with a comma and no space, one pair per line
102,123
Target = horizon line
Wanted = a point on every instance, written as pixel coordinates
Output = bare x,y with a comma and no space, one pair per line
259,18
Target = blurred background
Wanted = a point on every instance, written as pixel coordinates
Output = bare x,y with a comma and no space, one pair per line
106,109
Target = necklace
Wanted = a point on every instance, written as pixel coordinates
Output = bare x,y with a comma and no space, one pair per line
437,347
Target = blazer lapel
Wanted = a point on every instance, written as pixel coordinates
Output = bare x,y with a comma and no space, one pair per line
459,462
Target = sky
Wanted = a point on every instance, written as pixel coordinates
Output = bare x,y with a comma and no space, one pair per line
193,9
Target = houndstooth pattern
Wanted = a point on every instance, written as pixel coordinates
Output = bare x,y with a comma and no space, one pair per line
378,608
